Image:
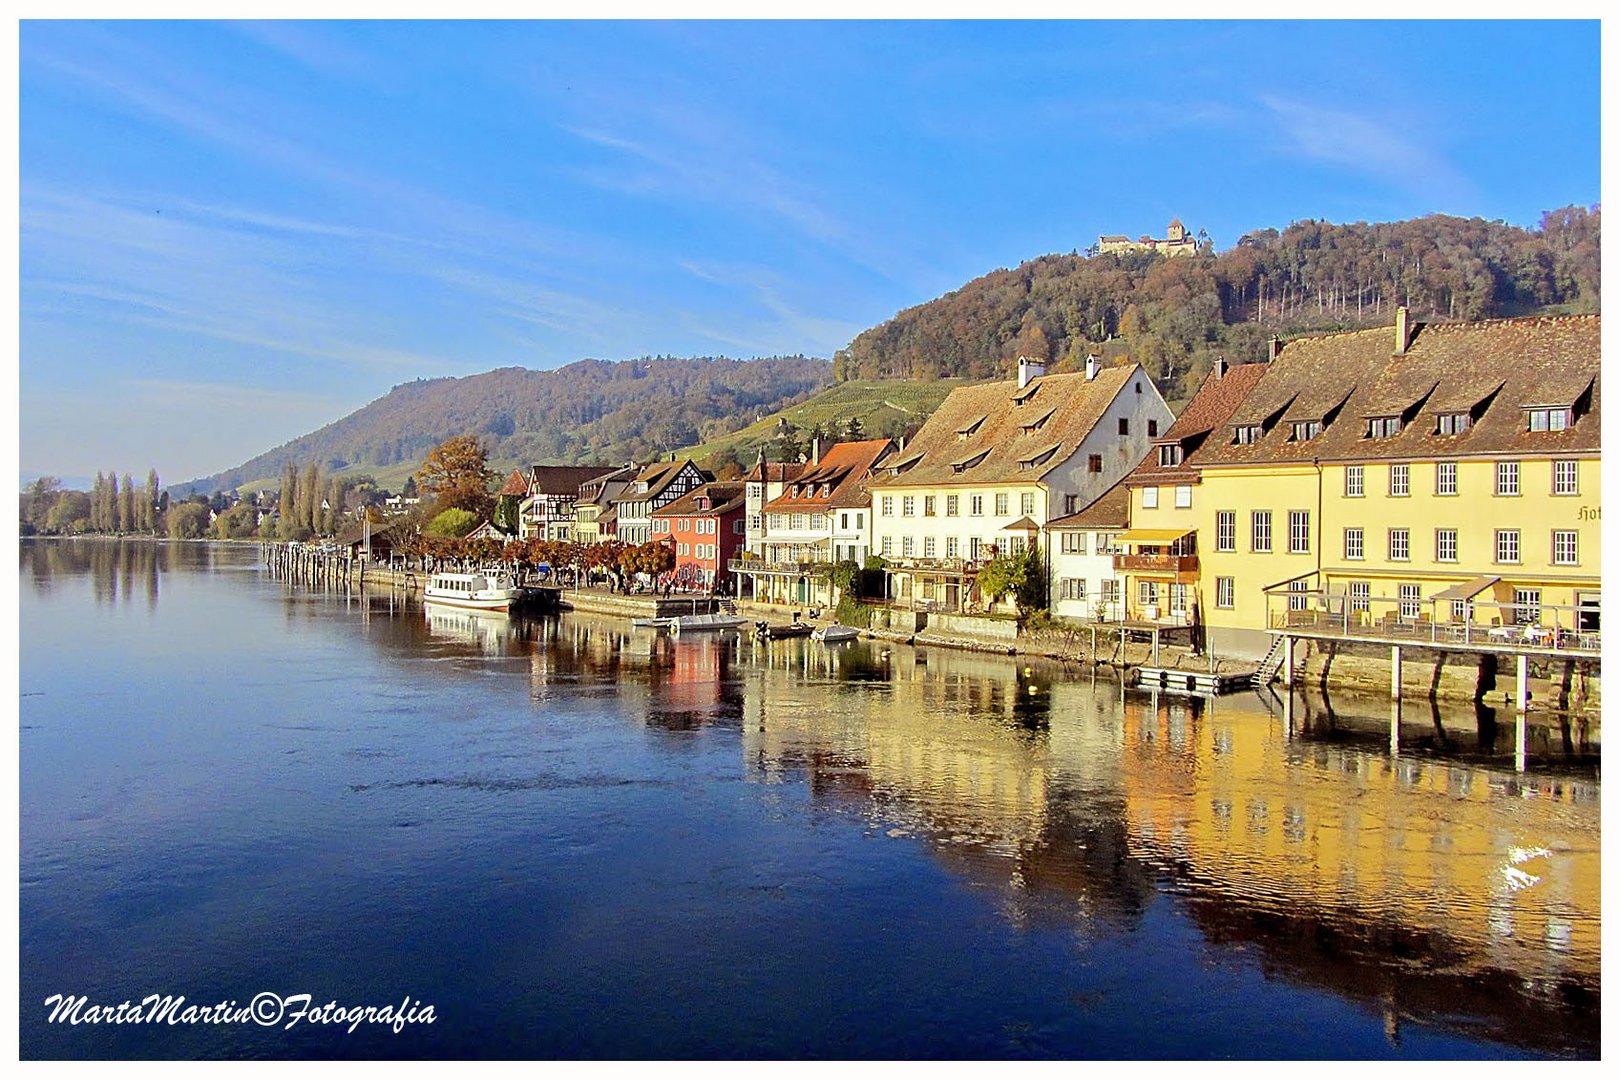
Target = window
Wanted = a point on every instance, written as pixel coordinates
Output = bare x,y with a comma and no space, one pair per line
1445,545
1183,496
860,519
1072,543
1178,598
1355,477
928,547
951,550
1454,423
1169,454
928,506
1547,419
1026,503
1565,552
1507,545
888,506
1001,504
888,545
908,506
737,528
1150,498
908,546
1507,477
1526,606
1147,592
1223,592
1297,600
1260,531
843,522
1400,545
1071,503
1566,478
952,504
756,522
817,521
1400,480
1153,428
1016,545
1360,595
976,505
1355,544
778,521
975,546
1247,433
1299,532
1110,590
1445,478
1411,602
1094,463
1124,426
1072,589
1105,544
1306,430
1382,427
796,521
1225,530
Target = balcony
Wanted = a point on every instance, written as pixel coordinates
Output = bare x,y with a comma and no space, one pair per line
1158,564
753,564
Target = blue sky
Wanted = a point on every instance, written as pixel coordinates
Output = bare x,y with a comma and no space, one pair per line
234,233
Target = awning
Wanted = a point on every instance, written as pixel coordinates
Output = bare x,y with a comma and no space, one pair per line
1467,590
1151,536
1022,525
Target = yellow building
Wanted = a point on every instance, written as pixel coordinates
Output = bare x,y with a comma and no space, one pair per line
995,463
1437,481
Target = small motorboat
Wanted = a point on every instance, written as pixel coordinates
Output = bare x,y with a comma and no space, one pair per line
833,634
767,632
681,624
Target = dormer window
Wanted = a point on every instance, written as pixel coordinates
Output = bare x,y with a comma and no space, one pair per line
1247,433
1036,425
1170,454
1306,430
966,432
1382,427
1548,419
1454,423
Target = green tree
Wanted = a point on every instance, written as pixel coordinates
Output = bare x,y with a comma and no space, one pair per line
150,502
126,506
287,503
454,522
188,521
506,513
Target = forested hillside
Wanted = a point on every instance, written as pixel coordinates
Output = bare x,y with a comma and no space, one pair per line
592,411
1176,314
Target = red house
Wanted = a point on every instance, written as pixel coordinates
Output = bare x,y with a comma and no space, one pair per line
706,526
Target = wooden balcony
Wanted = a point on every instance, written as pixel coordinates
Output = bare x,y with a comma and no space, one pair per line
1159,564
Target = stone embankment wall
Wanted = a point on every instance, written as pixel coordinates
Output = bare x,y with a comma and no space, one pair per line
1563,684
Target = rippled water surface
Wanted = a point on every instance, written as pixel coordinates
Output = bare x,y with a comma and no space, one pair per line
575,839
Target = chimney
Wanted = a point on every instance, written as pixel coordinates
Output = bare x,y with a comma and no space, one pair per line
1403,330
1093,365
1220,367
1029,370
815,450
1273,347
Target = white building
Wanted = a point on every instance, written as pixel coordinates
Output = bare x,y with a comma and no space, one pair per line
1080,555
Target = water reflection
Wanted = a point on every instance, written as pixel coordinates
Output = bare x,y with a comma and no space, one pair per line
1394,860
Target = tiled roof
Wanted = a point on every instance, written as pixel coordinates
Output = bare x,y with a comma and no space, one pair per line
775,472
1110,510
723,498
562,479
841,469
657,476
981,435
1496,368
1207,412
515,484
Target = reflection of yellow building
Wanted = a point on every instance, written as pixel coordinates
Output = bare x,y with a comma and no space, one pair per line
1436,474
1512,877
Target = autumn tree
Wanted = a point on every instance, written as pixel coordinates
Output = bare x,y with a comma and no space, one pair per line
456,475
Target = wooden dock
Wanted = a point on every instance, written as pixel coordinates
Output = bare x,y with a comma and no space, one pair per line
1187,681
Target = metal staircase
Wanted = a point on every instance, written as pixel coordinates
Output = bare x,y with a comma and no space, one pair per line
1270,666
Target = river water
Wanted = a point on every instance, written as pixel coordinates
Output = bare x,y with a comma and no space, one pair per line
574,839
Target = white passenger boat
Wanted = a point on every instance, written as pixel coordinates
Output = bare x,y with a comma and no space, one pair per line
835,634
484,590
686,623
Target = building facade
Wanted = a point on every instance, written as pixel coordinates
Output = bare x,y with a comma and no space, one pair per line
706,527
995,463
654,487
1394,480
550,493
596,498
1080,551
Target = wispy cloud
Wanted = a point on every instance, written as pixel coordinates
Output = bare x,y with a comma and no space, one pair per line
1385,148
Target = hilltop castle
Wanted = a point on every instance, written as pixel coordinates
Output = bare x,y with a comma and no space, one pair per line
1176,242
